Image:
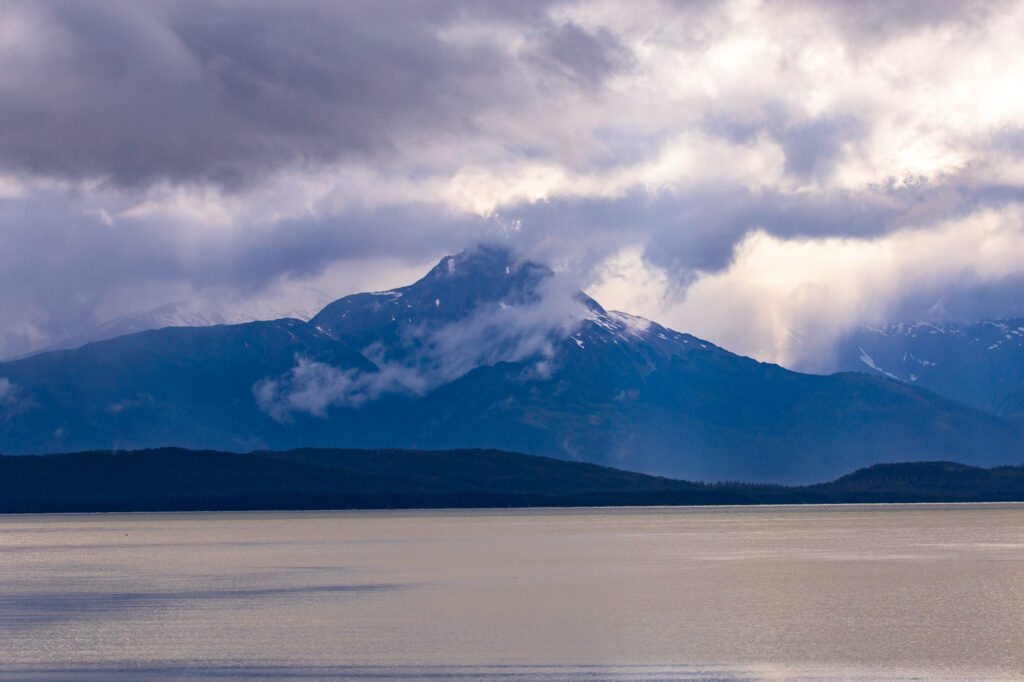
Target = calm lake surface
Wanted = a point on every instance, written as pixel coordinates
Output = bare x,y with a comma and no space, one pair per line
774,593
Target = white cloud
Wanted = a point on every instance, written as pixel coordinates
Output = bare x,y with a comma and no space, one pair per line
12,399
11,187
626,282
427,359
787,300
7,390
309,387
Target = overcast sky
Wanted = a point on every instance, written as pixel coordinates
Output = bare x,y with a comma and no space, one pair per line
764,175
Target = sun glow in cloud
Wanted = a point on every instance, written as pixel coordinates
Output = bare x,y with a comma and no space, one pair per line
788,300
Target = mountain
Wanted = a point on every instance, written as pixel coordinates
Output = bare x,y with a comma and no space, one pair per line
979,363
920,482
486,351
173,479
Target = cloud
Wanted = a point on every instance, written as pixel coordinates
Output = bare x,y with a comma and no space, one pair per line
7,390
64,271
424,359
12,399
309,387
140,93
787,300
152,152
224,97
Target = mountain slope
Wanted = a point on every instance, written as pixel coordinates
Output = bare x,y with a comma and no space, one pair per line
980,364
486,351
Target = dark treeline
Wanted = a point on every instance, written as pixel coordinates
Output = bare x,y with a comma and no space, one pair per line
172,479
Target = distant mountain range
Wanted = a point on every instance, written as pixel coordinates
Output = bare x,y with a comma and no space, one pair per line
485,351
980,364
172,479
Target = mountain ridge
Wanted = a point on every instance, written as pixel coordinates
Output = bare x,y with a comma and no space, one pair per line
175,479
488,350
979,363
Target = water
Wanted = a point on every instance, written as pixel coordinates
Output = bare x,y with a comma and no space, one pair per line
856,592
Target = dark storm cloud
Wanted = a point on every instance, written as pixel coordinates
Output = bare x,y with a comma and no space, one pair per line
576,54
878,20
301,248
698,230
224,91
217,91
811,148
73,260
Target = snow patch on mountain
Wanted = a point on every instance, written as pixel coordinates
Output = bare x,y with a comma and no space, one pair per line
637,326
867,360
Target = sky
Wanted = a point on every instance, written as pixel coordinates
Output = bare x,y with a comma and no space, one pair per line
763,175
